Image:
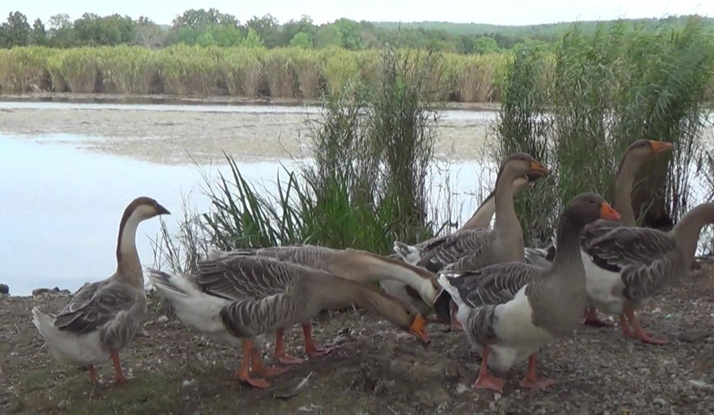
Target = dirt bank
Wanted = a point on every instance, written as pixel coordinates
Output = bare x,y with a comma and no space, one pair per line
378,371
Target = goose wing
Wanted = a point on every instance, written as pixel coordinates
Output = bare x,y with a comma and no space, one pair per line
492,285
467,245
645,258
94,305
236,277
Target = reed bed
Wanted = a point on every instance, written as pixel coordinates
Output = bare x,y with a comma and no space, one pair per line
604,91
243,71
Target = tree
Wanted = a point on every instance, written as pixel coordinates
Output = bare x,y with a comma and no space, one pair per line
252,40
16,31
328,35
301,40
351,34
293,27
267,28
149,34
485,44
201,18
38,36
226,35
61,31
206,40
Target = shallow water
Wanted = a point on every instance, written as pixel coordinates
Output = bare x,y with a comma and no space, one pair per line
60,206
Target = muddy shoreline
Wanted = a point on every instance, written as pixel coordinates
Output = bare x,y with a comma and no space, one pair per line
182,137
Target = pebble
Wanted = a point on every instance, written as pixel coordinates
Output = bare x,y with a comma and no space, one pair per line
163,320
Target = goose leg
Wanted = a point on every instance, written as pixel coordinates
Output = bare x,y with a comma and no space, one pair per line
93,376
263,371
639,332
454,311
243,374
310,348
119,377
486,381
531,379
624,326
592,320
280,354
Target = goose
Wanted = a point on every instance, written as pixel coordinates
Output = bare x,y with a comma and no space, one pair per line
510,310
355,265
477,248
102,317
626,266
481,219
236,298
635,156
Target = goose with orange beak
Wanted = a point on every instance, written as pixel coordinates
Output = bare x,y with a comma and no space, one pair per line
511,310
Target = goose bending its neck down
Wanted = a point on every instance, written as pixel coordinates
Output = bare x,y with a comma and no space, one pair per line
510,310
636,156
237,298
627,266
103,317
355,265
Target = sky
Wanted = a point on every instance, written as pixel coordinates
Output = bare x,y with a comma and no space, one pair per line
504,12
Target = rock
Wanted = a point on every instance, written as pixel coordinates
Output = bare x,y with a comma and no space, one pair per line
4,289
163,320
54,291
694,336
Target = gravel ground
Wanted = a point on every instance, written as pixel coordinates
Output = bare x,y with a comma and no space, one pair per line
377,370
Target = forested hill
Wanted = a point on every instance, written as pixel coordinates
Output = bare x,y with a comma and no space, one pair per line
550,30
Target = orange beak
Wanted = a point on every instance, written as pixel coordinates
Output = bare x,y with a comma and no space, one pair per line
418,328
539,169
661,146
607,212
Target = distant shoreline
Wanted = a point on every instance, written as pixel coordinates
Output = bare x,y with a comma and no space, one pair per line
205,100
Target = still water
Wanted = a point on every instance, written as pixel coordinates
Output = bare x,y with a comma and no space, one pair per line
60,205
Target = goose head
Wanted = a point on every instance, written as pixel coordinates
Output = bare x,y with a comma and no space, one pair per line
401,316
523,166
641,151
143,208
587,208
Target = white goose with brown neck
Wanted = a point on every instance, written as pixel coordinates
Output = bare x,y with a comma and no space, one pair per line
103,316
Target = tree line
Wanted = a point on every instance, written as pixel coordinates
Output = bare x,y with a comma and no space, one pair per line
211,27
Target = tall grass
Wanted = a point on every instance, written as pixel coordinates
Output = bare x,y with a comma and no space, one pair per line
128,70
242,70
605,91
474,77
80,69
189,70
25,69
280,72
310,72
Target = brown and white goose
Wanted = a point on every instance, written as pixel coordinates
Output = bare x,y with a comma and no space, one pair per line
357,266
236,298
510,310
636,155
477,248
103,316
627,266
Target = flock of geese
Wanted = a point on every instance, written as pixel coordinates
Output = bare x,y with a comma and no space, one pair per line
509,299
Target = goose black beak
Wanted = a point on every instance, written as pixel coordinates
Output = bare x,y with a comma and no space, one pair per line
160,210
